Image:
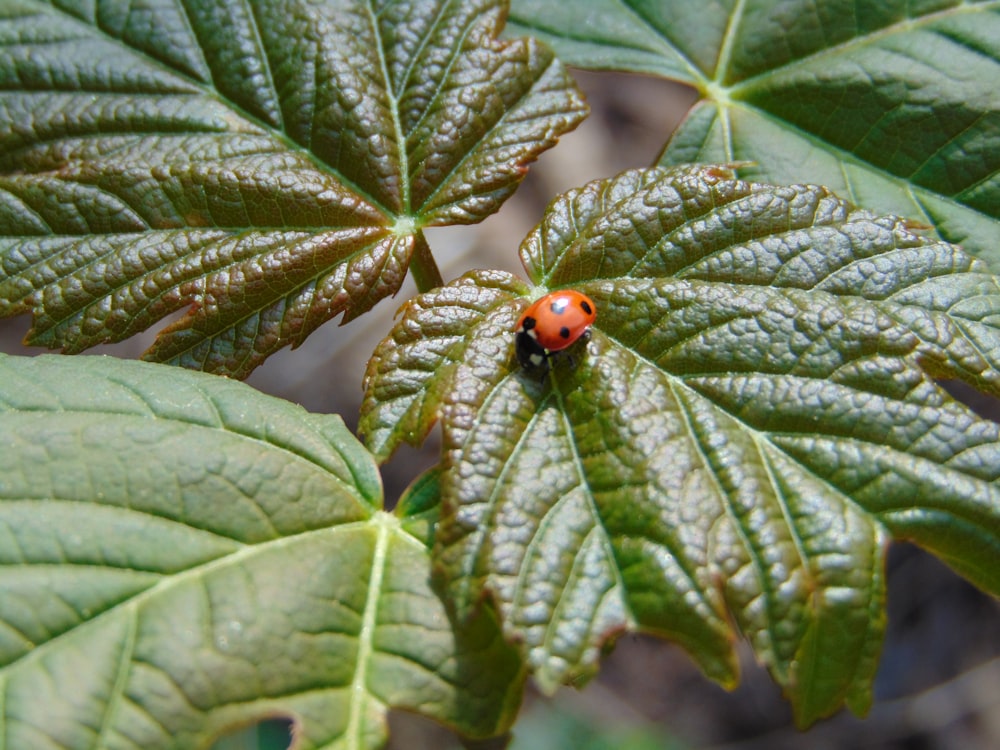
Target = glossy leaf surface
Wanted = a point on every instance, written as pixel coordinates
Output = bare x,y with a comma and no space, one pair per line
180,555
755,415
263,166
891,104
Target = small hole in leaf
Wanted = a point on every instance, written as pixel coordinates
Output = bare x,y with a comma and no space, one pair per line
270,734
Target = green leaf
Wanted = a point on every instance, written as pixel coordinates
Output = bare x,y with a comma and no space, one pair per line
420,506
180,555
892,104
412,372
262,167
754,416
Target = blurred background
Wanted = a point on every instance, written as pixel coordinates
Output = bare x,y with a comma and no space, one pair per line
939,681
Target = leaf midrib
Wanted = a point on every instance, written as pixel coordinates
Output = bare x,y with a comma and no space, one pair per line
366,635
117,691
694,70
749,546
728,41
758,436
398,135
844,157
480,539
473,152
584,484
697,73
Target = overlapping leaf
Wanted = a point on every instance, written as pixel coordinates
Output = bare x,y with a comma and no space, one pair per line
264,166
892,104
754,416
179,555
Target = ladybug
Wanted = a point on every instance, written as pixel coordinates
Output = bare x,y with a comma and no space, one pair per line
551,324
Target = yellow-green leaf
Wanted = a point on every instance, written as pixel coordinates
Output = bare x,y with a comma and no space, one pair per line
180,556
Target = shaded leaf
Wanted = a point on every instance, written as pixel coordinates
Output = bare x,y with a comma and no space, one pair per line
420,506
754,416
263,166
180,555
892,104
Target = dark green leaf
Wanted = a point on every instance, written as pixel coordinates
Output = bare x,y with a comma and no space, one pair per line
412,372
420,506
892,104
755,415
180,555
263,166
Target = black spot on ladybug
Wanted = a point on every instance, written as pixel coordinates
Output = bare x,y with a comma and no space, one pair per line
551,325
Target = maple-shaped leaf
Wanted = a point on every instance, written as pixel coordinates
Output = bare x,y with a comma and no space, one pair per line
181,556
892,104
755,415
263,166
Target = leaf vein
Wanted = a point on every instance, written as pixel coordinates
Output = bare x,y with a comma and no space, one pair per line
117,691
265,59
359,683
196,572
633,7
605,537
845,48
564,599
753,554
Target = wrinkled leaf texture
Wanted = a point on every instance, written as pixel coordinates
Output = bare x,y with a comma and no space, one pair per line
891,103
262,166
754,417
180,555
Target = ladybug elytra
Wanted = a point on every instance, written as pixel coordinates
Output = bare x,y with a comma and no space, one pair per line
553,323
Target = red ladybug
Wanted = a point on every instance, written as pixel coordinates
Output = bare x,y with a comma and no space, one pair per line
552,323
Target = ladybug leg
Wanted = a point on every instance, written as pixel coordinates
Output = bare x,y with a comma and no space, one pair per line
582,342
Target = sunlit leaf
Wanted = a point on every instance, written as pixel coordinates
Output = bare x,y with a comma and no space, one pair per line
892,104
262,167
755,415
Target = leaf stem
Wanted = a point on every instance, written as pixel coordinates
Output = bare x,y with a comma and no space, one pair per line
423,266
